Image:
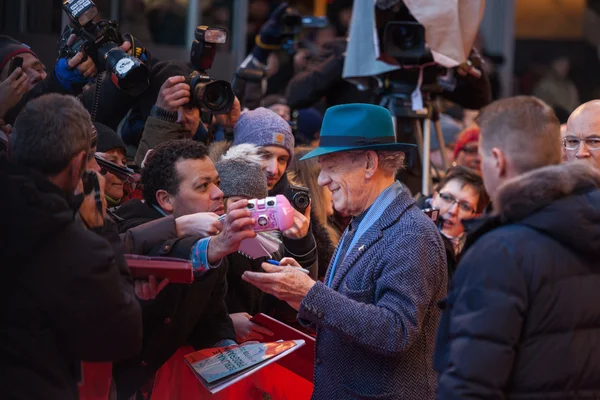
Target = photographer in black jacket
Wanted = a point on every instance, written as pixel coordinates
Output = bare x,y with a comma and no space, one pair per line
68,295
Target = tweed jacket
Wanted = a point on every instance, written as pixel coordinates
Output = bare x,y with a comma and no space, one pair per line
377,322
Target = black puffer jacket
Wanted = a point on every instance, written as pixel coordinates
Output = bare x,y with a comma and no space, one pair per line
66,296
522,319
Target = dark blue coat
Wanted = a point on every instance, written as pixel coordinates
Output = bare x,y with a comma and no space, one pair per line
522,318
376,325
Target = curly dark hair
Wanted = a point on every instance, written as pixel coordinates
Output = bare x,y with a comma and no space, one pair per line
467,176
160,173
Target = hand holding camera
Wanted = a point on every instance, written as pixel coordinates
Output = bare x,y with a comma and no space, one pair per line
237,226
93,208
174,93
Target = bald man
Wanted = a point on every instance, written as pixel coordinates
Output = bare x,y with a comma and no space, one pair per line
582,139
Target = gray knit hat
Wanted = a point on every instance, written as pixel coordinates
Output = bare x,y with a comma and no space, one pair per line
241,173
262,127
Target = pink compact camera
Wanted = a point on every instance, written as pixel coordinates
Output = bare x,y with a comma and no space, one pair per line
271,214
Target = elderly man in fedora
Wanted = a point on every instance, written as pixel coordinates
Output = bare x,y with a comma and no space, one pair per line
376,313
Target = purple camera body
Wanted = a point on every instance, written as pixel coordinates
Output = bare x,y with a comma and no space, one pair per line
271,213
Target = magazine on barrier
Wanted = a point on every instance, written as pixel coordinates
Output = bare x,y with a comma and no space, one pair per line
220,367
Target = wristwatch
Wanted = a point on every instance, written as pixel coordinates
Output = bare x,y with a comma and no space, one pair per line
162,114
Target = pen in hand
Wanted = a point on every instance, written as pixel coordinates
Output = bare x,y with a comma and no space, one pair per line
275,262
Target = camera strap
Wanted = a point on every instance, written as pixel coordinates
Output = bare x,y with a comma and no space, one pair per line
416,96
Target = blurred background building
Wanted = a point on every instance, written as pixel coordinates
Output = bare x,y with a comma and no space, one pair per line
545,47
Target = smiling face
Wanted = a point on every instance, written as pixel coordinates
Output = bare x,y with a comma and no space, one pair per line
198,189
114,186
456,201
35,70
344,176
274,161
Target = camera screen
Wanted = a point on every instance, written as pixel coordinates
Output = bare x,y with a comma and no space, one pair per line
82,11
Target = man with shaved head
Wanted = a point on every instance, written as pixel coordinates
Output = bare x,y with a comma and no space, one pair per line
582,139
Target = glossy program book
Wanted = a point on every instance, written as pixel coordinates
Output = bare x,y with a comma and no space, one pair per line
220,367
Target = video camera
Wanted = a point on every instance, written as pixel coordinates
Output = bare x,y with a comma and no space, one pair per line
292,24
206,92
100,41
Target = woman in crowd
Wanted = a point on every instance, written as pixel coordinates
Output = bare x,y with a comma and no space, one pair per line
460,196
465,150
305,173
112,148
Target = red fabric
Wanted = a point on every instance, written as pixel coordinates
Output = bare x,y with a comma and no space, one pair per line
96,381
175,381
465,137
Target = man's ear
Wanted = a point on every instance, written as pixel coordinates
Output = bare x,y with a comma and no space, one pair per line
371,164
499,162
165,201
76,168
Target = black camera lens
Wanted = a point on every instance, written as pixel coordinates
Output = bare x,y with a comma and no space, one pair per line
216,96
250,205
263,220
301,201
130,73
270,203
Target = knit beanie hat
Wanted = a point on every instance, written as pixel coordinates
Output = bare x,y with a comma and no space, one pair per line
309,125
241,173
10,47
262,127
108,139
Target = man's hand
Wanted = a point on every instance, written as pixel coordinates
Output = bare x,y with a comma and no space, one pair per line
173,94
245,330
88,210
85,66
286,281
12,89
237,226
202,224
148,290
301,225
231,118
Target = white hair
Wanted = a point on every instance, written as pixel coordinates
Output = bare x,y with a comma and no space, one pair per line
245,152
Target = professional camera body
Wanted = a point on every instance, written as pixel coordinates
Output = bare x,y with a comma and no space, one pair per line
298,197
100,41
271,213
206,92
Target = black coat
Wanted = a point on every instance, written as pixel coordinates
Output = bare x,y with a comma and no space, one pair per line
522,319
66,296
181,314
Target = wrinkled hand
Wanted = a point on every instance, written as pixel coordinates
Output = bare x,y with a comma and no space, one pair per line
148,290
88,211
12,90
301,225
246,330
231,118
285,281
85,66
202,224
237,226
173,94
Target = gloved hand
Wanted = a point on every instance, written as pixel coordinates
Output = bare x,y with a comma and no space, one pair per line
70,78
269,37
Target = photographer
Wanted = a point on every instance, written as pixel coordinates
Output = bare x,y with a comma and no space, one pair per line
70,296
68,77
170,116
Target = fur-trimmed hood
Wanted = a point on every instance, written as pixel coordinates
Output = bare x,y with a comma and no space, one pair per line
561,201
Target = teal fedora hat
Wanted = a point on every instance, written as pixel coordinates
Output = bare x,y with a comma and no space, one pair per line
357,127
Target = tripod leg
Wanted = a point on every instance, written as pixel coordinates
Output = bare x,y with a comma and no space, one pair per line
438,132
426,183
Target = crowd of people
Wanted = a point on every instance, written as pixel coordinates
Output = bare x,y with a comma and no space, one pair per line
493,297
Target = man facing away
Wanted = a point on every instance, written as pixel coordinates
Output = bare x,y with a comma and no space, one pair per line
67,293
522,318
376,313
